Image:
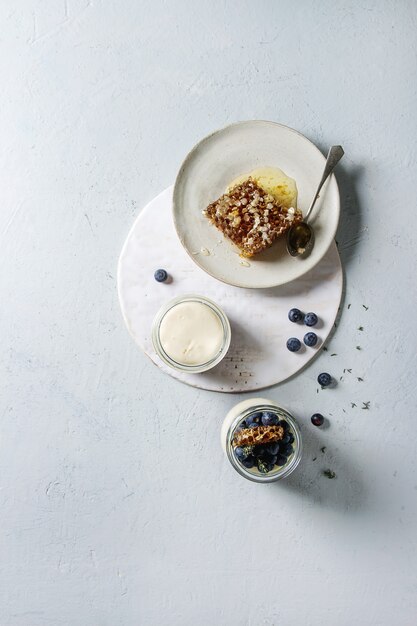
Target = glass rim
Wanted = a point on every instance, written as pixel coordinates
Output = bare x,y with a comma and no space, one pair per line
202,367
279,474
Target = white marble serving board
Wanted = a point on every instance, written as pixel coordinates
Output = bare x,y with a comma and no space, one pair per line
258,356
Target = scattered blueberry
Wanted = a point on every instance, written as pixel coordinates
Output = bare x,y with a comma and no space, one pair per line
324,379
273,448
161,276
269,419
310,339
293,344
286,439
295,315
310,319
249,462
281,460
291,439
317,419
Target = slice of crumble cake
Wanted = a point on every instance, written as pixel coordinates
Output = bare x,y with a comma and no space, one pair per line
251,217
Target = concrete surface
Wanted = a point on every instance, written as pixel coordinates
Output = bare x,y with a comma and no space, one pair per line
117,506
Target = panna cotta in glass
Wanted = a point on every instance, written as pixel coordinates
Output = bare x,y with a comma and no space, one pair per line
261,440
191,333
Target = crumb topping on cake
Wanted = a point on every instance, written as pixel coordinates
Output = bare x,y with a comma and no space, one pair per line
258,435
251,217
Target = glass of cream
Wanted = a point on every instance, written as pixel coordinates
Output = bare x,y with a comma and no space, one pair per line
191,334
247,415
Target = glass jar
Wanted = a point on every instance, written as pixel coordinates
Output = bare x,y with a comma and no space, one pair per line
245,410
223,344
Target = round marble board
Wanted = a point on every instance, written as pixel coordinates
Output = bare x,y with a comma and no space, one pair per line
258,356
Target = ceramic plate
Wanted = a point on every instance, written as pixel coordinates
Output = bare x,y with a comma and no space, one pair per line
217,160
257,356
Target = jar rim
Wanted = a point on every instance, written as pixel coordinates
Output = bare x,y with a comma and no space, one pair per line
272,476
202,367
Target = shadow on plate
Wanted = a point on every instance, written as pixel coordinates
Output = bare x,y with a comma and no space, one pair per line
350,229
244,348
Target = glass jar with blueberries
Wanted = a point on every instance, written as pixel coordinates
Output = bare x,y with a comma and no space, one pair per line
261,440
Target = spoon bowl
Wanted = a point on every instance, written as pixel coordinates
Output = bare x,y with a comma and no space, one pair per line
300,239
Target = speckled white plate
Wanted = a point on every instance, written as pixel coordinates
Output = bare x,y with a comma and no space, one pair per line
220,158
257,356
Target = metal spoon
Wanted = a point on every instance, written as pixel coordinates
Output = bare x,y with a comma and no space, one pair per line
300,237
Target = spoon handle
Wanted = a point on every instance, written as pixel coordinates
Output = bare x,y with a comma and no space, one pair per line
333,158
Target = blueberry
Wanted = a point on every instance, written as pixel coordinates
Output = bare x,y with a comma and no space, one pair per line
259,450
287,449
310,339
161,276
291,438
241,426
324,379
268,457
273,459
293,344
286,439
243,452
253,420
284,425
269,419
249,462
264,466
317,419
273,448
281,460
295,315
310,319
239,453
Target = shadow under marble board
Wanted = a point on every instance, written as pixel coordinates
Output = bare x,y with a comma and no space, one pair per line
258,356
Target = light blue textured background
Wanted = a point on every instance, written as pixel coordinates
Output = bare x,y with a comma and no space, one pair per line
117,506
